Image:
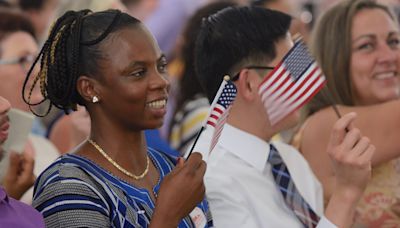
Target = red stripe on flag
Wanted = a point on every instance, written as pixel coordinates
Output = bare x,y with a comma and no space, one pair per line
290,106
283,97
211,123
290,111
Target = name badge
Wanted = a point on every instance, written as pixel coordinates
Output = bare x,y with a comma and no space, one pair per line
198,217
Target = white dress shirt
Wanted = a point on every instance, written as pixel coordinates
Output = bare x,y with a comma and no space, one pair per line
241,189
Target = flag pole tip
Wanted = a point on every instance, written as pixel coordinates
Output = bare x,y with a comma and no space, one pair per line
227,78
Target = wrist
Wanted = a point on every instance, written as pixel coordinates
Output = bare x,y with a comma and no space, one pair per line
351,195
341,207
13,193
162,219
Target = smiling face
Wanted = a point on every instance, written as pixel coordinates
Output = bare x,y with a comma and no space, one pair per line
375,59
133,90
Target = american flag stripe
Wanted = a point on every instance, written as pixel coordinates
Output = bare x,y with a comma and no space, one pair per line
219,128
295,99
270,81
293,82
289,86
215,115
295,91
315,88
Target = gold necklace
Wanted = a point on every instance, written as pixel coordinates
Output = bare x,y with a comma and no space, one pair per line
116,165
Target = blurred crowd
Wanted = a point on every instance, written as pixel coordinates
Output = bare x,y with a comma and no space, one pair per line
358,50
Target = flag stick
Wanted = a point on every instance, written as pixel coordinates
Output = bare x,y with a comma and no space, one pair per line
195,141
328,95
334,106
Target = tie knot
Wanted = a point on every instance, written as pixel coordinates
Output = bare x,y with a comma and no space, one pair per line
274,157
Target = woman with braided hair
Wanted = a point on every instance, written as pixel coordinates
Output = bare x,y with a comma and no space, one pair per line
110,63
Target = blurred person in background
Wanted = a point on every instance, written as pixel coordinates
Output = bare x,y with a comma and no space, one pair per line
192,105
18,48
302,19
141,9
41,13
19,178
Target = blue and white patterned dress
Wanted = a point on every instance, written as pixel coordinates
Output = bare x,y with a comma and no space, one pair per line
75,192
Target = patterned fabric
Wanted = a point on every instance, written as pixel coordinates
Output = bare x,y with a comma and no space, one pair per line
75,192
380,203
289,191
187,123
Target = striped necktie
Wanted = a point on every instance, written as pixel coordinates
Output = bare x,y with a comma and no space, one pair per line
289,191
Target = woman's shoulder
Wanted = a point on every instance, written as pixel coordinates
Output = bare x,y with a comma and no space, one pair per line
67,169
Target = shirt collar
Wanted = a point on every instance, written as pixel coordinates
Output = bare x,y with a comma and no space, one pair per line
247,147
3,195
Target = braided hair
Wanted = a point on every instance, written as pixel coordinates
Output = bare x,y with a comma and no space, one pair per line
73,48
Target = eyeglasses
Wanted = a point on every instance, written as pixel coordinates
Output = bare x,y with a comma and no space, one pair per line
236,77
24,61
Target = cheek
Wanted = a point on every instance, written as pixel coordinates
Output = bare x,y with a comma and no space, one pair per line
360,69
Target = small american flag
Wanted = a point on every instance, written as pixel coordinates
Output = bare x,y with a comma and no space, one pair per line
219,110
293,82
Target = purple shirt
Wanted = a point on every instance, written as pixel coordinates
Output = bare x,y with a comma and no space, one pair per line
15,214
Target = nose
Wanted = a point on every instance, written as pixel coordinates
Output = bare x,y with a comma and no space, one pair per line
4,105
388,54
160,81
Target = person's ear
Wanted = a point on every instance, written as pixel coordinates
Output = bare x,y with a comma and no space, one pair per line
88,88
248,84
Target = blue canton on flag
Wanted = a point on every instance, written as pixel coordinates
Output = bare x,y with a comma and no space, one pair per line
220,109
225,99
298,60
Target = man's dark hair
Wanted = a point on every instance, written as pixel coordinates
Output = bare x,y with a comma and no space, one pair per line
233,38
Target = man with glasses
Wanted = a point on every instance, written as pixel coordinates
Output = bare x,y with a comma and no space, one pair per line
249,181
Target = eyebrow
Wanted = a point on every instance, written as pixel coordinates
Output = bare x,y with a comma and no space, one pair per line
141,63
373,36
162,56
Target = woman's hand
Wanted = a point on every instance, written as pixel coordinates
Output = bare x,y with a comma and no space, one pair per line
180,192
19,176
351,155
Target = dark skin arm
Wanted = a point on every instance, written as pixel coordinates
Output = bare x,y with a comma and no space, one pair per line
180,192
